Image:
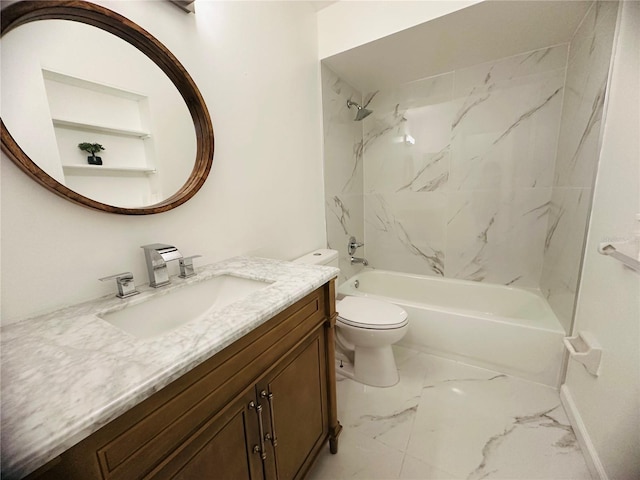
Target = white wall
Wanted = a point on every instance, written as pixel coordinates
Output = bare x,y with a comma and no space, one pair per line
606,408
348,24
256,64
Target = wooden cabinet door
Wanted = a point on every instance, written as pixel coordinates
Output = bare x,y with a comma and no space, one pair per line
223,448
295,397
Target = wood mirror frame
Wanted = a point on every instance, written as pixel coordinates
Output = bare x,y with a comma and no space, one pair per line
23,12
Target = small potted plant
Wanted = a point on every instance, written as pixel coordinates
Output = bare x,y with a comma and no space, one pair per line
92,148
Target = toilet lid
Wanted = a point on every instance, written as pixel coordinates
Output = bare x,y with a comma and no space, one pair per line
370,313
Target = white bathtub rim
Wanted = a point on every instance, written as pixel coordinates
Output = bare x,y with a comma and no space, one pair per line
347,290
535,291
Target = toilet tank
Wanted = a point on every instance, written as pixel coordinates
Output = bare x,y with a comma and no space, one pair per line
323,256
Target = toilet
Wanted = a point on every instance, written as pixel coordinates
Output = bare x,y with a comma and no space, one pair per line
365,330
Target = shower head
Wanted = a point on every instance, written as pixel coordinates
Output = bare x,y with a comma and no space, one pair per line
361,113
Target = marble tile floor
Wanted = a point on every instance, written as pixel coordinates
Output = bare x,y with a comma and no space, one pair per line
447,420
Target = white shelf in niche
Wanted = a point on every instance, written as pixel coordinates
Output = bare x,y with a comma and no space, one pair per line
63,123
96,169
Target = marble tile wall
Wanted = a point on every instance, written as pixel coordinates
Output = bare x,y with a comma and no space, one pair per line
458,170
484,173
342,168
577,159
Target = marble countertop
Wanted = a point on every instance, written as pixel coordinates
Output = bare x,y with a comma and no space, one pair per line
68,373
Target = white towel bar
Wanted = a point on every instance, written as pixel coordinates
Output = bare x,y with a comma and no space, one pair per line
619,252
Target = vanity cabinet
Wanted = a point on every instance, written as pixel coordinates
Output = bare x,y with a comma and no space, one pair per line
262,408
220,449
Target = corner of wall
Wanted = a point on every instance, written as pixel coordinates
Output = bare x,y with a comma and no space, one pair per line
584,440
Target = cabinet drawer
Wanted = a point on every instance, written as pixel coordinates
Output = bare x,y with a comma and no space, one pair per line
189,402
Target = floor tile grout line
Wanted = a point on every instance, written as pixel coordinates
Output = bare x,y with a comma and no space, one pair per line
413,422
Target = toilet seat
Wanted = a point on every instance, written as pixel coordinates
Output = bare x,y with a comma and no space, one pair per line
370,313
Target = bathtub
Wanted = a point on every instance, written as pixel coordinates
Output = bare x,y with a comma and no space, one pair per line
506,329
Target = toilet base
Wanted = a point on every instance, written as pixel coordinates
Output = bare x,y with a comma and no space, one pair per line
344,368
375,366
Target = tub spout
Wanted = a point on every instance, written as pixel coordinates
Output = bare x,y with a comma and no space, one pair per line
363,261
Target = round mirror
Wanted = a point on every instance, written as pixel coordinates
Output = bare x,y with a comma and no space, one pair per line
105,117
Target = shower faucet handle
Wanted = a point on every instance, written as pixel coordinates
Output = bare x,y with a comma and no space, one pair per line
353,245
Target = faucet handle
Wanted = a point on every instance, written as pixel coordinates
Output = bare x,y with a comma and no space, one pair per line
353,245
124,281
186,266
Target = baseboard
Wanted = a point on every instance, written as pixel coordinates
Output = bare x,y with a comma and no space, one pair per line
584,440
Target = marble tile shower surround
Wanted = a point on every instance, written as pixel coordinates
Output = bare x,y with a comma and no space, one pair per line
343,164
458,170
483,173
447,420
577,158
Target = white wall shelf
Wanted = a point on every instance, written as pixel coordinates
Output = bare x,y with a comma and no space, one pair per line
96,169
60,122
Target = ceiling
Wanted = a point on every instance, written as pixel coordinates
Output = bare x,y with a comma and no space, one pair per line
483,32
319,5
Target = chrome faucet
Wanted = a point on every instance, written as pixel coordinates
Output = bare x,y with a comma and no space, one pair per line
363,261
351,248
157,255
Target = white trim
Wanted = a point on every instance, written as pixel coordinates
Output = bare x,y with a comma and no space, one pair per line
584,440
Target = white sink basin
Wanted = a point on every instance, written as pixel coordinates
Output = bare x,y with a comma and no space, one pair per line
163,313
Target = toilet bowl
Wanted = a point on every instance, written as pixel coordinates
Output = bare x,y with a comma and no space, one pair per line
365,330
